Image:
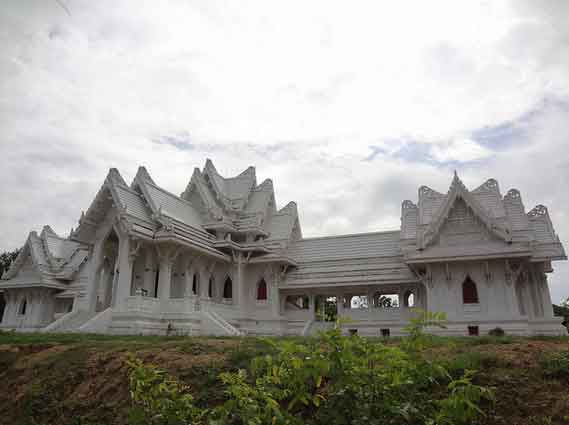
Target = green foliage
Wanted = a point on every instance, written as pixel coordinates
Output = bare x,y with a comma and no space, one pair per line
331,379
470,360
556,365
462,405
497,332
159,399
417,338
6,259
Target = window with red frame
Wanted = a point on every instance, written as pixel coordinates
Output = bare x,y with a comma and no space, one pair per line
262,290
469,292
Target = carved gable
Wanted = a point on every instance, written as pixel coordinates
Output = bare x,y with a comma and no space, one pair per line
462,226
27,272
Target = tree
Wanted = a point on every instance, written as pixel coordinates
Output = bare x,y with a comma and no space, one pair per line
6,259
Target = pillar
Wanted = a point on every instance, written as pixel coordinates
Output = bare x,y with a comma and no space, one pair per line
149,271
124,271
312,306
95,275
340,304
166,261
275,296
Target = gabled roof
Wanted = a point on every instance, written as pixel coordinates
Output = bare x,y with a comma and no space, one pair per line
284,224
164,203
358,259
456,191
359,245
52,257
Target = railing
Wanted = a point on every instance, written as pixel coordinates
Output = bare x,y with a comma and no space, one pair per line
60,323
143,304
220,325
99,323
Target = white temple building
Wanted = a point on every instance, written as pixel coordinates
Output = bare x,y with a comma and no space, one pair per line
222,259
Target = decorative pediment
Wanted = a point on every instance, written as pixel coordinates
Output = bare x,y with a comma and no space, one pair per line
458,191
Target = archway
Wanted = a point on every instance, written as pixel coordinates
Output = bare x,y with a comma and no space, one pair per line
228,288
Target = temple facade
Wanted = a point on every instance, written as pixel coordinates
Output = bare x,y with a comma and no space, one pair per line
222,259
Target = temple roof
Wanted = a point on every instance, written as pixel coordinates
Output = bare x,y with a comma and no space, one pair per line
503,216
46,258
356,259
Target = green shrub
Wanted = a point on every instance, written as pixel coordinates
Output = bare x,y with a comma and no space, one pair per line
331,379
462,405
159,399
499,332
556,365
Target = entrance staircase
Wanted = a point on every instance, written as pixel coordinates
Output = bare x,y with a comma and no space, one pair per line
98,323
69,322
214,324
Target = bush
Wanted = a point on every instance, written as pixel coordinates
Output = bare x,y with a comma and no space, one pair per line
497,332
556,365
332,379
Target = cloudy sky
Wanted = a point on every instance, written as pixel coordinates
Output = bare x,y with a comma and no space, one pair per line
348,106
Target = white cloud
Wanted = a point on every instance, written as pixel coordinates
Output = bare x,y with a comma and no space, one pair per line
461,150
300,89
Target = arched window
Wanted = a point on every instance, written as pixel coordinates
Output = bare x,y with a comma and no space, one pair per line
195,284
469,291
23,307
210,287
228,288
409,299
262,290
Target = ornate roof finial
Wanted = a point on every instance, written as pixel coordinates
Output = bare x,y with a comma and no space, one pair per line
143,174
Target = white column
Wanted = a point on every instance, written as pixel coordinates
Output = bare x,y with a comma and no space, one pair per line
340,304
149,271
275,295
124,270
165,277
95,275
312,306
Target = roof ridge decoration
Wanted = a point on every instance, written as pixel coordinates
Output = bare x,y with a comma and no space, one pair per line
115,177
458,190
27,249
490,185
540,212
513,194
198,182
112,180
143,174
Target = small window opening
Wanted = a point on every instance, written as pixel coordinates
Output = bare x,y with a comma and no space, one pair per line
473,330
409,299
195,286
385,300
385,332
228,288
297,302
210,288
23,307
469,292
353,332
262,290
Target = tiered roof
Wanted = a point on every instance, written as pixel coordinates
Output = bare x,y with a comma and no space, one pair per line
45,260
513,231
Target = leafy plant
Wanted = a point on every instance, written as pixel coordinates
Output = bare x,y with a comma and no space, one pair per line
159,399
556,365
462,405
499,332
332,379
